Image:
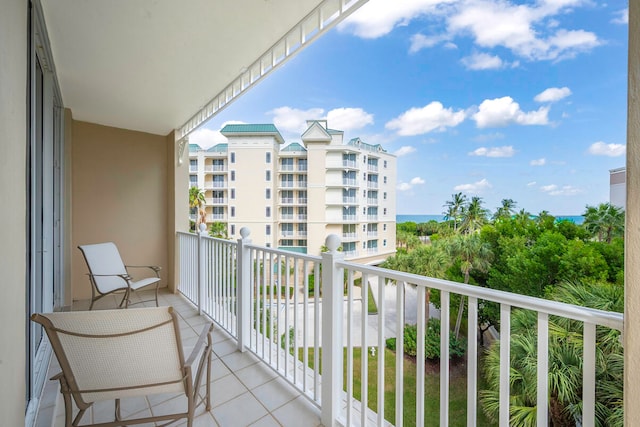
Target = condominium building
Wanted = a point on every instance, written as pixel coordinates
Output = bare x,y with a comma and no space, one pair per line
618,187
292,195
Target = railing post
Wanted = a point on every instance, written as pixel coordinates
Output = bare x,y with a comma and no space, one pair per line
243,317
202,265
332,312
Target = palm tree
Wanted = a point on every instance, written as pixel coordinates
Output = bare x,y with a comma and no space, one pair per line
474,254
506,209
474,216
196,202
219,230
454,210
565,362
604,222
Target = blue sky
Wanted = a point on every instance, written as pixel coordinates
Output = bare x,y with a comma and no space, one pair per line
500,99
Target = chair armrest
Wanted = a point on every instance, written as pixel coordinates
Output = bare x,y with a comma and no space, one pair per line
126,277
155,268
204,335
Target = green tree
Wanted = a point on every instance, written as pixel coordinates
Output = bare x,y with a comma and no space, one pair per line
604,222
474,216
219,230
196,204
472,254
506,210
454,208
565,362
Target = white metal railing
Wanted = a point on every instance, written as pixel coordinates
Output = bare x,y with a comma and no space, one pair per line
286,167
286,200
372,184
302,200
269,300
346,199
286,216
349,182
349,164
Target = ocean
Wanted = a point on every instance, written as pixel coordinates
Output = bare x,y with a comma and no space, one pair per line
578,219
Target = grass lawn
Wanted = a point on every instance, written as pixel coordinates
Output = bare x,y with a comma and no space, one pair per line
457,389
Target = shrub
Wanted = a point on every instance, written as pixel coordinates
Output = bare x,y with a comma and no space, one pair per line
431,340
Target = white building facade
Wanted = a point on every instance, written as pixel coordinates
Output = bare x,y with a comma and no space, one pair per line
292,195
618,187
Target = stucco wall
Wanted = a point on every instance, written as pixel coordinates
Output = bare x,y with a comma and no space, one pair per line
632,229
13,122
119,194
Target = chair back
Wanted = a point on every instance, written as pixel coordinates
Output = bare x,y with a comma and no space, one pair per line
104,259
111,354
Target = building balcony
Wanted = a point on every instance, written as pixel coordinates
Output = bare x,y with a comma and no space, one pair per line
372,201
372,167
349,182
244,390
215,168
349,164
216,217
286,168
301,201
215,184
328,331
349,200
372,184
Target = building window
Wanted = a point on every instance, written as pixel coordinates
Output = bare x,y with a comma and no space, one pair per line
233,175
384,242
385,166
267,230
364,245
267,193
233,229
233,211
267,212
364,227
384,227
233,157
384,195
233,193
384,211
364,211
384,179
268,157
268,245
267,176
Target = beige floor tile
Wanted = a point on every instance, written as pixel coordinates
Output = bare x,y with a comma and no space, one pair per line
275,393
255,375
237,360
298,413
225,389
240,411
266,421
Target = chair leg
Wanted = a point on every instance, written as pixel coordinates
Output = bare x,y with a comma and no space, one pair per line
157,305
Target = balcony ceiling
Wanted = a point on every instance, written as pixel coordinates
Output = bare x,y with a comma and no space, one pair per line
149,65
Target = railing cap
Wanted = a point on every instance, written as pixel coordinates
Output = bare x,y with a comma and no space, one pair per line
244,232
333,242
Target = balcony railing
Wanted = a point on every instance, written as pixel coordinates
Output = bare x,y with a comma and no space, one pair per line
349,182
233,282
372,184
348,200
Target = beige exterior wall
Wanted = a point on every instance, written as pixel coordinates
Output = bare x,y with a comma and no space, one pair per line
250,184
13,123
632,229
119,192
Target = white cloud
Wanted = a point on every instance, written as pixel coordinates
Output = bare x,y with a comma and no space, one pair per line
404,150
520,28
406,186
602,149
504,111
506,151
482,61
377,18
431,117
489,137
565,190
348,118
293,120
420,41
476,187
206,138
622,17
531,184
553,94
538,162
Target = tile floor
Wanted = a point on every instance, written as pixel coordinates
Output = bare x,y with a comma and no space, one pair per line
245,392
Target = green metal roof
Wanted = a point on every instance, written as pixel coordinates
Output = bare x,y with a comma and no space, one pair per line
334,131
255,129
219,148
194,147
294,146
358,142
